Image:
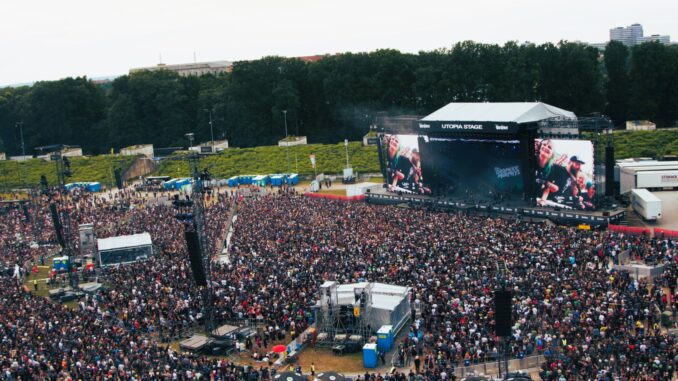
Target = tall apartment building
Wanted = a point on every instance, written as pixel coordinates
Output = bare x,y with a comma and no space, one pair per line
627,35
633,35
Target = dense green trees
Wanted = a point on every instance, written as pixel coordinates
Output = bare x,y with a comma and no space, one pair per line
337,97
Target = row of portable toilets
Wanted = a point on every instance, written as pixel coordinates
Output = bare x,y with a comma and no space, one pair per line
87,186
275,180
258,180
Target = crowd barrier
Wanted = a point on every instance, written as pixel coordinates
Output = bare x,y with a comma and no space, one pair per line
665,232
629,229
336,197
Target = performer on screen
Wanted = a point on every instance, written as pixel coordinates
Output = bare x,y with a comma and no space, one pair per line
399,164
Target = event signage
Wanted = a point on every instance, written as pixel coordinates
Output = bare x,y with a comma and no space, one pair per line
467,127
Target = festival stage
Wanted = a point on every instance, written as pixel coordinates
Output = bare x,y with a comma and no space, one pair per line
513,207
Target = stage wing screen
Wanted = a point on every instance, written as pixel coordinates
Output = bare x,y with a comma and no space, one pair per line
564,174
403,164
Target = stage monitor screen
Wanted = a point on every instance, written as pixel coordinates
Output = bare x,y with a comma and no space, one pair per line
476,168
403,164
564,175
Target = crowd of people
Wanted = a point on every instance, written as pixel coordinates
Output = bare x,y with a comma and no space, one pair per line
589,321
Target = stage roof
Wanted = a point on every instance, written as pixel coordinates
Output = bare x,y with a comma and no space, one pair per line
508,112
124,241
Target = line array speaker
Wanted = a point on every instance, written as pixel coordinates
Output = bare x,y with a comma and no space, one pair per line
195,257
502,313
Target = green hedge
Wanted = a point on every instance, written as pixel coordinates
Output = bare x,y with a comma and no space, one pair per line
645,143
330,158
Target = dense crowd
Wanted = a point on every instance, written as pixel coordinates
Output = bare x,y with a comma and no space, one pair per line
587,320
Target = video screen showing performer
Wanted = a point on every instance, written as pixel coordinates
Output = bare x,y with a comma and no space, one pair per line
403,164
565,175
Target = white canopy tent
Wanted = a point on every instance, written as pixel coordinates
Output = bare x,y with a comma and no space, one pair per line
505,112
124,249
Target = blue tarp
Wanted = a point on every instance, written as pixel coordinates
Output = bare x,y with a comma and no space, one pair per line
233,181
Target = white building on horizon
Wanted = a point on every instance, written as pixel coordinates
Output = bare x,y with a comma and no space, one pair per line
187,69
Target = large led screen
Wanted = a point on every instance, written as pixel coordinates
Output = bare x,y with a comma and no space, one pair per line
403,164
564,174
478,168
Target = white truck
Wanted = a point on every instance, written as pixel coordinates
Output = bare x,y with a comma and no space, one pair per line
646,204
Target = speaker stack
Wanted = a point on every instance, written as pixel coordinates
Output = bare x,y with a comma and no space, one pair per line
195,257
57,225
609,171
502,313
118,179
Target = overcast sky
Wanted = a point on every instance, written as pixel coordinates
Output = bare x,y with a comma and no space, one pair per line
48,39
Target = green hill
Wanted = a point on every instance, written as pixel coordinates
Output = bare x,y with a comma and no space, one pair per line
330,158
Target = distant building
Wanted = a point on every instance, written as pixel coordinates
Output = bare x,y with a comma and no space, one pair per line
633,35
627,35
3,156
665,39
314,58
208,147
640,125
188,69
140,149
67,151
21,158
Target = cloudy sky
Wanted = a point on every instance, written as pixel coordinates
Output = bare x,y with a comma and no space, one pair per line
47,39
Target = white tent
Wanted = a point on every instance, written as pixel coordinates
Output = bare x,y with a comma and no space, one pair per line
124,241
124,249
506,112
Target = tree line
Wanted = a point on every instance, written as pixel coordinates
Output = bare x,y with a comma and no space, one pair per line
338,96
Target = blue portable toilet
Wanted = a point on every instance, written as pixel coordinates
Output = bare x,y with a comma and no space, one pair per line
385,338
94,187
261,180
245,180
167,185
277,180
293,179
181,183
233,181
370,355
60,264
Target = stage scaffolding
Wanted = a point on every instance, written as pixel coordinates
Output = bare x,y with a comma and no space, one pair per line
341,322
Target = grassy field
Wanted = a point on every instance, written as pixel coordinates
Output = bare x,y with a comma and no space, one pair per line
330,159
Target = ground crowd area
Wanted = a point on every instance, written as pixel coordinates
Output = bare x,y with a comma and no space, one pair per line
591,323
